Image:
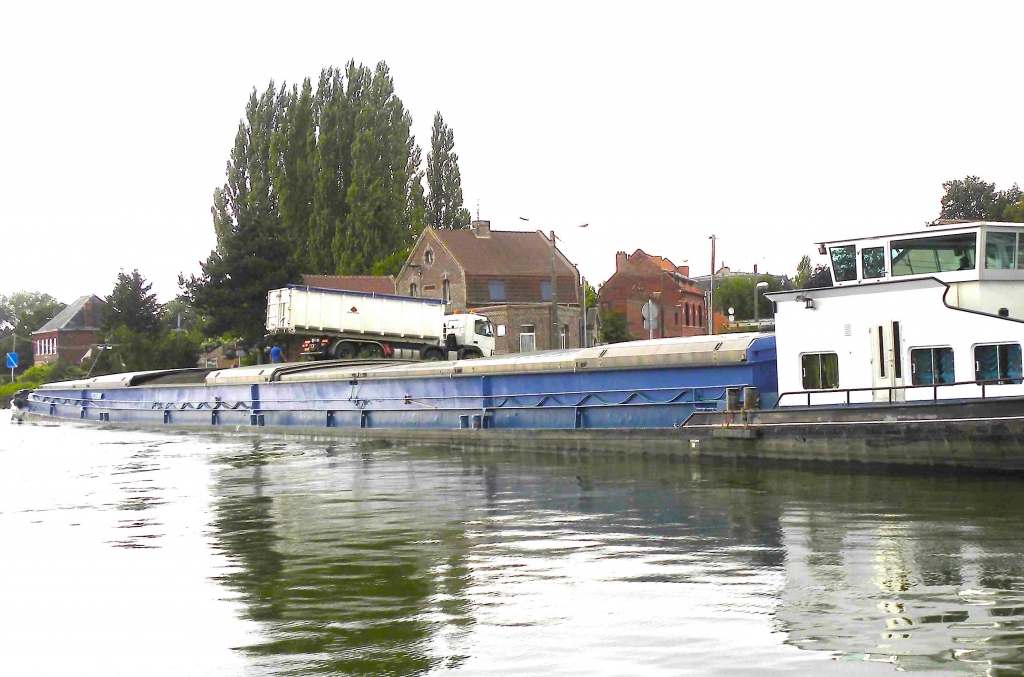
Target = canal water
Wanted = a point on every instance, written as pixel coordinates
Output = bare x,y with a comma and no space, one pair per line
137,552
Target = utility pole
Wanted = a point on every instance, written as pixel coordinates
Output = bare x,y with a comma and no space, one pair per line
584,290
553,343
711,291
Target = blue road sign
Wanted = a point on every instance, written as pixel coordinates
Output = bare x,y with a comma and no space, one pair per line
12,360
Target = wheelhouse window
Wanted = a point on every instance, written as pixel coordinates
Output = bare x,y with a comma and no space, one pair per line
1000,250
820,371
931,366
873,262
496,290
844,263
941,254
999,362
1020,251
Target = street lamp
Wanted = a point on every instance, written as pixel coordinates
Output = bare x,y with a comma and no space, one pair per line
759,285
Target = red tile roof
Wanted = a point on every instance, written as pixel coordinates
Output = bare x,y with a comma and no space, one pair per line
503,252
380,284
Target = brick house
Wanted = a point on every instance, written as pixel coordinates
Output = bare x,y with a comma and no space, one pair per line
68,336
503,275
640,277
378,284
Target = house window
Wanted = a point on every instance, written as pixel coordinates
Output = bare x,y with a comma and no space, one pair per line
677,317
931,366
545,290
686,314
412,289
1000,363
844,262
873,262
563,336
1000,249
527,338
820,371
941,254
446,291
496,290
428,257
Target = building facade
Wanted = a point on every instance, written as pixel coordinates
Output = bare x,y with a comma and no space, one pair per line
640,277
503,275
69,335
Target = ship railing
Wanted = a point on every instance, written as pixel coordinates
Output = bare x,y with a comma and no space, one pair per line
696,396
891,391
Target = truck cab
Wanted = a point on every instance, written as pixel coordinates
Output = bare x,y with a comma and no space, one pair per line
470,334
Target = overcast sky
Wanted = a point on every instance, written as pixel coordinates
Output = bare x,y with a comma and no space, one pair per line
771,125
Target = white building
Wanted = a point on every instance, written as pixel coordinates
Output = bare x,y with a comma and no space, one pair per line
908,313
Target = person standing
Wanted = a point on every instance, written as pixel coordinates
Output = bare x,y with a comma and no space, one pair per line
275,354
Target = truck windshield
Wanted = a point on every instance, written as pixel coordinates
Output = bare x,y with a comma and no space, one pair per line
483,328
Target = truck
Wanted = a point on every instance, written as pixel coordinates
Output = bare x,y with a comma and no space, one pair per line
336,324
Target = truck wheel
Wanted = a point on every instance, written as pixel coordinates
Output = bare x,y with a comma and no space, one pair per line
344,351
469,353
433,355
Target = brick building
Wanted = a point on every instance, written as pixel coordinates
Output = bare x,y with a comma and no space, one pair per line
640,277
504,275
68,336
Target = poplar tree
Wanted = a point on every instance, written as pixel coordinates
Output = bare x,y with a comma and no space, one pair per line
293,165
378,223
253,253
444,203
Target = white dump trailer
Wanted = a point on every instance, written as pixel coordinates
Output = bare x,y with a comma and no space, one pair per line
342,324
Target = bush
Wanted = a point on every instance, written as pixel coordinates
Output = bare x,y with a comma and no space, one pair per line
37,375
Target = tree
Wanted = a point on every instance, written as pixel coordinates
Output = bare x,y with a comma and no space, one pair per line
293,163
614,328
975,200
132,305
803,272
379,221
820,277
326,181
444,202
22,313
738,292
254,251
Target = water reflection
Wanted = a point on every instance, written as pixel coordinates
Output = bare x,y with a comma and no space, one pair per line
381,561
350,565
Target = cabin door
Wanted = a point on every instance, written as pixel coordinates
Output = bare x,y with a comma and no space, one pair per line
886,363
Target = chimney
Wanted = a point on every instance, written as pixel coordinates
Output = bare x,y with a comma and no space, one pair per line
620,260
481,228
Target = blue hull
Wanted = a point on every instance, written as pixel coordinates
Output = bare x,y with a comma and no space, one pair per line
638,398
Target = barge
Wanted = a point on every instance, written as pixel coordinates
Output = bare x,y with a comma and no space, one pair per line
912,357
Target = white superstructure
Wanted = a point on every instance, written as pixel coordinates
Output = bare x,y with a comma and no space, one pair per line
940,307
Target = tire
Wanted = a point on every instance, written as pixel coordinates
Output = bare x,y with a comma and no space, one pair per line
433,355
344,351
374,351
469,353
